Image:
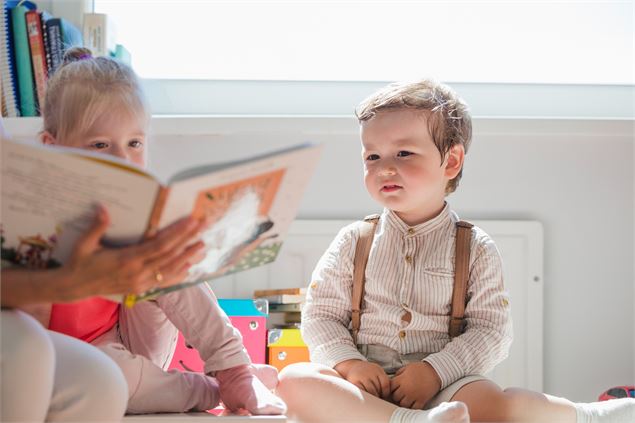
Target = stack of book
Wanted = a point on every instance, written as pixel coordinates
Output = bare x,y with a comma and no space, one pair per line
285,306
32,45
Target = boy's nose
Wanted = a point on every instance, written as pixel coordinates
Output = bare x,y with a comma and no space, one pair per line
388,171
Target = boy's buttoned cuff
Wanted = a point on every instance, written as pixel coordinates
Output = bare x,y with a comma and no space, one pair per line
337,354
446,366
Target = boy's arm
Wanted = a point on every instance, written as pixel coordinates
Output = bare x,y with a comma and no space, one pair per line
488,334
327,313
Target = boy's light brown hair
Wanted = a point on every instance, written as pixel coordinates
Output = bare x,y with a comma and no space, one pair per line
449,120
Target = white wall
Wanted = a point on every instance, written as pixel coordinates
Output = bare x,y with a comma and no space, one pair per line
574,176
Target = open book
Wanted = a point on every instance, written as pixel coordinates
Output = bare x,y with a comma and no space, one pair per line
49,198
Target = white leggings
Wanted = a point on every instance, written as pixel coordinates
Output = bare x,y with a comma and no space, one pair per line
47,376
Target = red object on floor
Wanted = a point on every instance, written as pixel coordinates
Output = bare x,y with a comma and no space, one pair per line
618,392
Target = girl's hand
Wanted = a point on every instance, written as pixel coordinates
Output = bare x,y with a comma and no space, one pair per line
414,385
369,377
157,262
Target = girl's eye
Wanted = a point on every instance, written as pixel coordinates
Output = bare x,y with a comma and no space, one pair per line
372,157
100,145
135,144
404,154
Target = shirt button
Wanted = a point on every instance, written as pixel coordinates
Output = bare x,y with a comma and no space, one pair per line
505,302
313,285
402,334
411,231
409,259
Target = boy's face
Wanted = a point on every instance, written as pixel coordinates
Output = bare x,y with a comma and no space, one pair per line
118,134
403,169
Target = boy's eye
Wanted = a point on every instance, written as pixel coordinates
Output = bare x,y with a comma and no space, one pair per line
403,153
135,144
100,145
372,157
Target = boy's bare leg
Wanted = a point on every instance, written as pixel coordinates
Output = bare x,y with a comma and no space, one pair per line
487,402
316,393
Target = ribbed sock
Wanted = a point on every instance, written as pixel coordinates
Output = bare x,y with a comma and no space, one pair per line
620,410
446,412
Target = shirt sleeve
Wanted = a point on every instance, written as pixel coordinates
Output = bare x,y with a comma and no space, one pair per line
488,335
326,314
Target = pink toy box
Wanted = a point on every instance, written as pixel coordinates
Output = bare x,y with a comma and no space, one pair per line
249,316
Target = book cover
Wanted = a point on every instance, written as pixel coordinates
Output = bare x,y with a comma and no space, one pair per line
49,196
38,55
22,56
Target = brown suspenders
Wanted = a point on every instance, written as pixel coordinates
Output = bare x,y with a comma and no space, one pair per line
461,273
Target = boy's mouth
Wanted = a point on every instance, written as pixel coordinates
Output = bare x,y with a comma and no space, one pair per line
390,188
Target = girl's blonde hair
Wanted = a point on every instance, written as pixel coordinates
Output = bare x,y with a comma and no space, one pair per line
449,120
84,88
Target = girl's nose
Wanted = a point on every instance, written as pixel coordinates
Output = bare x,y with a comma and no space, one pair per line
388,170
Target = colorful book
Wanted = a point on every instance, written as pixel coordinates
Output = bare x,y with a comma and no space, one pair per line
10,99
38,55
250,205
22,56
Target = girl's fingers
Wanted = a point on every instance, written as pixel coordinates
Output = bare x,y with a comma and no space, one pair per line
89,241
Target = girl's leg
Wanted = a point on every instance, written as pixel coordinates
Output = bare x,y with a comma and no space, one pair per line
489,403
89,387
53,377
27,366
143,345
316,393
150,328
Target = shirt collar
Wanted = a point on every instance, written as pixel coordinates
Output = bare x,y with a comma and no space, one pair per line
445,217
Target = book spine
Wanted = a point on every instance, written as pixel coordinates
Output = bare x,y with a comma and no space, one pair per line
45,39
38,56
9,103
157,211
55,47
23,61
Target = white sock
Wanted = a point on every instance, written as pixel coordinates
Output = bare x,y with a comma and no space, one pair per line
450,412
620,410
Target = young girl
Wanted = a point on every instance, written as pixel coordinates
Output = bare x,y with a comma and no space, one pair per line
97,104
414,138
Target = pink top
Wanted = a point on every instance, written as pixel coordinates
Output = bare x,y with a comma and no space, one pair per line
86,319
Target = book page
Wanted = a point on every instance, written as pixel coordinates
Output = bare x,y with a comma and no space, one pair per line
251,205
49,199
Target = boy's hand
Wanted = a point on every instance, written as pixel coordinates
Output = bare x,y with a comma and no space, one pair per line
369,377
414,385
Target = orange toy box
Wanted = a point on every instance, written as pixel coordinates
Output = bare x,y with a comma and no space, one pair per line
285,346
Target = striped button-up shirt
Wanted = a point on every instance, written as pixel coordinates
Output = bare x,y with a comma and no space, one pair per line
410,269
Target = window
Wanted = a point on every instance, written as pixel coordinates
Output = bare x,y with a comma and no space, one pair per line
491,42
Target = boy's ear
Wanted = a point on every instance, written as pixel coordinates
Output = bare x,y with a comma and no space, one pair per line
47,138
454,161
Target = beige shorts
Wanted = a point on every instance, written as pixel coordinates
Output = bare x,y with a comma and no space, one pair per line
391,361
